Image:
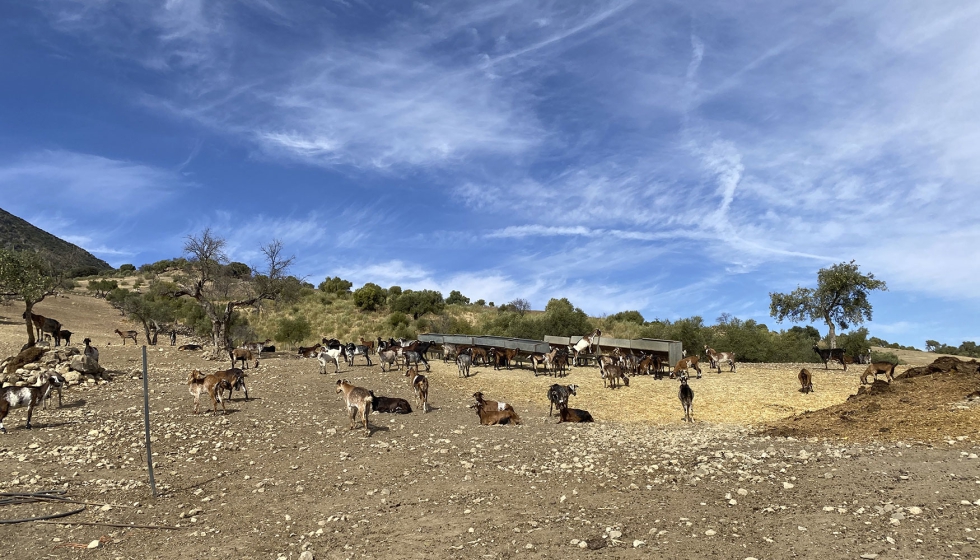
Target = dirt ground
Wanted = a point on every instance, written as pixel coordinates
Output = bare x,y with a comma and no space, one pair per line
764,472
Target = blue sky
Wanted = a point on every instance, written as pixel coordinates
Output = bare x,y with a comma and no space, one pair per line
679,158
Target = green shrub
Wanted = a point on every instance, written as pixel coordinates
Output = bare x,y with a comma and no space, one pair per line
886,357
370,297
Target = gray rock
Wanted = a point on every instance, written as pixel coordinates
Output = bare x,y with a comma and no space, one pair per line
86,365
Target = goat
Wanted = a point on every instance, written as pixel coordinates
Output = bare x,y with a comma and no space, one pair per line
503,356
173,337
479,353
543,359
56,383
270,349
885,368
558,395
829,354
389,357
309,352
331,354
686,395
65,335
242,355
45,325
683,365
91,351
718,357
463,362
354,350
490,405
575,415
560,363
356,398
412,357
18,397
420,384
390,404
213,385
613,373
806,381
235,379
449,350
497,417
189,347
256,347
586,342
126,335
369,344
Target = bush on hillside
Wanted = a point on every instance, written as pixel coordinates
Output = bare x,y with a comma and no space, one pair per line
370,297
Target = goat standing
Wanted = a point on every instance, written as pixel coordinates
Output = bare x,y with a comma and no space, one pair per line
686,395
558,395
885,368
463,361
356,398
718,357
198,384
18,397
806,381
420,384
127,334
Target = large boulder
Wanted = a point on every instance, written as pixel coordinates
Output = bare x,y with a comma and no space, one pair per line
84,364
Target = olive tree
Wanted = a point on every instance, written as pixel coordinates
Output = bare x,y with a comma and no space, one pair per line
206,280
25,275
840,299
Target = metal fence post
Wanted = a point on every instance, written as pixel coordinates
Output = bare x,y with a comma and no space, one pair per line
146,424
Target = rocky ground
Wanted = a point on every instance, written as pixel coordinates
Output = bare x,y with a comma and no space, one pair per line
757,476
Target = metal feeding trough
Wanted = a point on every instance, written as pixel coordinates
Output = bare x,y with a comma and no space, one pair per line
522,344
671,350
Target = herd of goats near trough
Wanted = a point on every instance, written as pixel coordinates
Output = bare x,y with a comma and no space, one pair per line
615,367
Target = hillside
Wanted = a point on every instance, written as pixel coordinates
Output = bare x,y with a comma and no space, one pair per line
19,235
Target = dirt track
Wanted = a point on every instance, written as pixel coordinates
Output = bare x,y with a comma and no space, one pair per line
280,473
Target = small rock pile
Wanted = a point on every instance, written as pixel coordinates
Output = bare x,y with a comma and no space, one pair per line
67,361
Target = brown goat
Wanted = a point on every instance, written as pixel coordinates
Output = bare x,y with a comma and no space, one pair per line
242,355
235,379
885,368
356,398
806,380
684,364
198,384
489,405
421,386
127,334
573,415
497,417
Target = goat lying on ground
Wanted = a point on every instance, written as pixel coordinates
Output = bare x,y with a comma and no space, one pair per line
885,368
390,404
574,415
489,405
497,417
127,334
828,354
683,365
18,397
686,395
187,346
235,378
420,384
356,398
309,352
256,347
558,395
806,381
242,355
198,384
717,358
